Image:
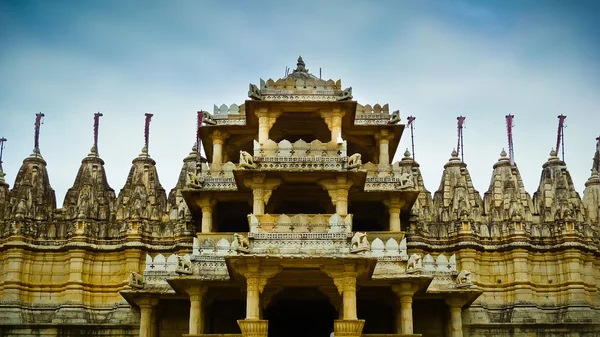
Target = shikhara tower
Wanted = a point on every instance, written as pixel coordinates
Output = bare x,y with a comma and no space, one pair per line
299,223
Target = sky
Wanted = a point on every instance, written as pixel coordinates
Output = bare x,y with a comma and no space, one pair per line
434,60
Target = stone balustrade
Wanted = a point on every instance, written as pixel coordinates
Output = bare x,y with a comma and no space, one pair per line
299,150
393,179
159,268
214,178
300,223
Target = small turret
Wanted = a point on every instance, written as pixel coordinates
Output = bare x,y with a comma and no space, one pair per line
424,204
177,208
591,194
90,197
506,198
142,197
556,197
456,198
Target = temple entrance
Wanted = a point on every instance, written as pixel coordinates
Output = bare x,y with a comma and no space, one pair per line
300,313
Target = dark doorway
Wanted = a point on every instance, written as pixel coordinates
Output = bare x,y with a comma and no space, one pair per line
298,318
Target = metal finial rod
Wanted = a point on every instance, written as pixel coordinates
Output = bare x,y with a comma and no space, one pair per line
147,130
97,116
198,159
36,139
459,146
2,140
509,126
410,123
560,139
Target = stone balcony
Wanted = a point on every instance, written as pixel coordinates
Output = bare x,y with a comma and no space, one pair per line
299,223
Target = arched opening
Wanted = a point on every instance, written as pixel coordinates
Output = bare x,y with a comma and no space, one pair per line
300,312
300,198
369,216
294,126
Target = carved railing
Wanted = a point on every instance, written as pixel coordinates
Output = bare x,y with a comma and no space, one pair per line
394,178
299,149
300,223
214,179
228,115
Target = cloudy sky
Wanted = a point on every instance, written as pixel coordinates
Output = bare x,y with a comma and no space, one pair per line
431,59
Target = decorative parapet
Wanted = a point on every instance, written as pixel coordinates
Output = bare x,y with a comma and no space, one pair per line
159,269
226,115
375,115
299,156
390,250
300,223
213,180
394,179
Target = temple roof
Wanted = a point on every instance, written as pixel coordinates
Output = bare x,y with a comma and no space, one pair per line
90,197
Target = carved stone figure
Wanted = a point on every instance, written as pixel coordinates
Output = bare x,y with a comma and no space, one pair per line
183,266
394,117
354,161
136,280
208,118
359,242
246,160
406,181
346,94
240,243
414,263
255,93
463,278
195,181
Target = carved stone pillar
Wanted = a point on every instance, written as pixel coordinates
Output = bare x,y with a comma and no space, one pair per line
207,204
405,292
262,189
74,288
196,296
146,316
383,140
338,191
13,265
266,119
347,287
394,206
455,305
333,119
254,286
218,138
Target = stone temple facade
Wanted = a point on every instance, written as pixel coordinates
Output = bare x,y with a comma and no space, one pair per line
298,224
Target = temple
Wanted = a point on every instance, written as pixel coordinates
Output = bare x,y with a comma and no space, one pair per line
291,220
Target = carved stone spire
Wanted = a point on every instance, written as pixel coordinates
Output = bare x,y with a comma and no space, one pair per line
506,198
31,197
456,198
556,197
177,207
142,197
90,197
423,206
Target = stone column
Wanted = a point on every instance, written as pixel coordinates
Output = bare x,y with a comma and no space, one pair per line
13,269
338,191
266,119
146,316
333,119
254,286
394,209
74,288
383,140
196,294
207,204
218,138
455,305
405,292
347,287
258,205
